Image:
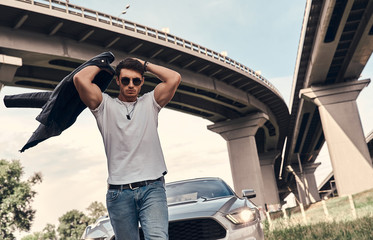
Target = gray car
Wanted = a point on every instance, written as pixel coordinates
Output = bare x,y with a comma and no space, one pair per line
202,208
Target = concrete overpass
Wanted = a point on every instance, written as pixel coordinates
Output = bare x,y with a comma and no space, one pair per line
41,41
336,43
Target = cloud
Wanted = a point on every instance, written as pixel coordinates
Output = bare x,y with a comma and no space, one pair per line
190,149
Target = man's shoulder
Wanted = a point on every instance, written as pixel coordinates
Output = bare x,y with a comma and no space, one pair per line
107,97
105,102
148,98
147,95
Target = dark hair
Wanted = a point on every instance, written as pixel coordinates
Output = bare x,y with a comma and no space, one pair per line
129,63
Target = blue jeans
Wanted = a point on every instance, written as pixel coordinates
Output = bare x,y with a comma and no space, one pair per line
147,205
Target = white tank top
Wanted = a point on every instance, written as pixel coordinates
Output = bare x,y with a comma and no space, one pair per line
132,147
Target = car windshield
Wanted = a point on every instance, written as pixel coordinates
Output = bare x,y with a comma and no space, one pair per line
195,189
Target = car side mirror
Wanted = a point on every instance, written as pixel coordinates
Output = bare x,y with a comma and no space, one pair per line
248,193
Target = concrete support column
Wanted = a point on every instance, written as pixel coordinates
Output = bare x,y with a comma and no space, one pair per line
243,155
8,68
271,196
344,135
306,183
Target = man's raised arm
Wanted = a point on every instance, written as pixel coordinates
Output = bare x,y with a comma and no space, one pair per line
89,92
164,91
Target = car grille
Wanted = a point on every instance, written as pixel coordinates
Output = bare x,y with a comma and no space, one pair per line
194,229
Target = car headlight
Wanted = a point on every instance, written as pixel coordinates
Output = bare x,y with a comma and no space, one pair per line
241,216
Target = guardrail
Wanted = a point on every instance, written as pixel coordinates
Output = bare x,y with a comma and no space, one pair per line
86,13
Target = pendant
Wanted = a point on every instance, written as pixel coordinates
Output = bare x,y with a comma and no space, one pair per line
128,117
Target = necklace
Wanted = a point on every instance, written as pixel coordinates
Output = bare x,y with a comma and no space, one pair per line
129,113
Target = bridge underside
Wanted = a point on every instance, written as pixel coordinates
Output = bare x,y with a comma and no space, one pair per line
52,40
336,43
214,88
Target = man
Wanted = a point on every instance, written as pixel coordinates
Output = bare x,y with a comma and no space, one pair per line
128,125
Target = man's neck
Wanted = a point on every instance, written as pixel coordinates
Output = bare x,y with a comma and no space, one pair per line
127,99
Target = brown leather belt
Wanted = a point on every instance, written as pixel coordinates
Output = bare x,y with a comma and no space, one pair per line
135,185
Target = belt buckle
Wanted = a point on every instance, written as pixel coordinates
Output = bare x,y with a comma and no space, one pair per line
133,188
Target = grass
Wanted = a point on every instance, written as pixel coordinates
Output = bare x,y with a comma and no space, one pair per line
357,229
340,224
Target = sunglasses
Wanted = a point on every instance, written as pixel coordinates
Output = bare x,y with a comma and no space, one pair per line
126,81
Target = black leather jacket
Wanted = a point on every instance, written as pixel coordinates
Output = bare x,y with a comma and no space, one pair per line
62,106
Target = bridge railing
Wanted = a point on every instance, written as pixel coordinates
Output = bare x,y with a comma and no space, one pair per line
86,13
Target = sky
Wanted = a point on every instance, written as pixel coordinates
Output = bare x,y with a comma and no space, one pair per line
262,35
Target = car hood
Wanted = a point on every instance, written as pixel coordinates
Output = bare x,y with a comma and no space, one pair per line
204,207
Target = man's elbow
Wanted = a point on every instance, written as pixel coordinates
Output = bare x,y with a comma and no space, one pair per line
177,78
77,81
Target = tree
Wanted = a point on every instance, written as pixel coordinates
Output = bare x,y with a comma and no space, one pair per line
72,225
16,197
49,233
96,210
34,236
